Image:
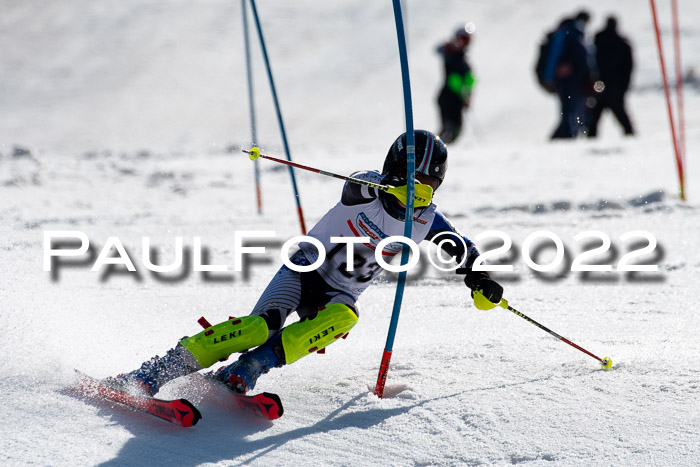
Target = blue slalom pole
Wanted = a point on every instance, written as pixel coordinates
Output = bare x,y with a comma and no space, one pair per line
251,103
279,116
408,222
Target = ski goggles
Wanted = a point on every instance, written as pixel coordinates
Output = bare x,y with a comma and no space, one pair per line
434,182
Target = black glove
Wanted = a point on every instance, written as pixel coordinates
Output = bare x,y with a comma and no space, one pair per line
480,280
393,180
389,201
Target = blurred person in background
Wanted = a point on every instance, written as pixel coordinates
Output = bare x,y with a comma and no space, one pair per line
614,61
456,92
567,70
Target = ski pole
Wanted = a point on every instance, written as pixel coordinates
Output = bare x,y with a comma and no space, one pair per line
605,363
423,196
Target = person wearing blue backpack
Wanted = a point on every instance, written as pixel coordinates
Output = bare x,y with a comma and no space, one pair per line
568,68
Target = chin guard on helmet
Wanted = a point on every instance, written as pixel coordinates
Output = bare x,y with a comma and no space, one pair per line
423,195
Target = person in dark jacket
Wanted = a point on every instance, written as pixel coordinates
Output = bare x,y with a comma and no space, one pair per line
614,59
455,95
568,72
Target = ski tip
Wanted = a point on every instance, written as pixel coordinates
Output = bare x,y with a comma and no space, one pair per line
82,384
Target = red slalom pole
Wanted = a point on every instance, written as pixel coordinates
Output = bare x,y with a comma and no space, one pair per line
383,373
679,160
679,79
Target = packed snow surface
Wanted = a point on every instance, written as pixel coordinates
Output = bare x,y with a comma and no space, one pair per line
125,119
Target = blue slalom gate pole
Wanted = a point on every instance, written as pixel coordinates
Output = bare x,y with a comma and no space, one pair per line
251,103
279,116
408,222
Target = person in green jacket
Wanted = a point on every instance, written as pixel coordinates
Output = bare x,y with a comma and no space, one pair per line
455,95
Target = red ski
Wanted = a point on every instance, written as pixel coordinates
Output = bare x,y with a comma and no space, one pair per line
179,411
265,404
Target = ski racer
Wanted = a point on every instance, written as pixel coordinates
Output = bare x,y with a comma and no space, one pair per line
324,299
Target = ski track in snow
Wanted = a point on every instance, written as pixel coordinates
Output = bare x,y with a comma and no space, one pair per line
126,119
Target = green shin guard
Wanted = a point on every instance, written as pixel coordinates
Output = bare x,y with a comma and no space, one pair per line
217,342
311,335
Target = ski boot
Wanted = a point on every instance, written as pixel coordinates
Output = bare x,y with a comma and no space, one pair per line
293,342
154,373
242,375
